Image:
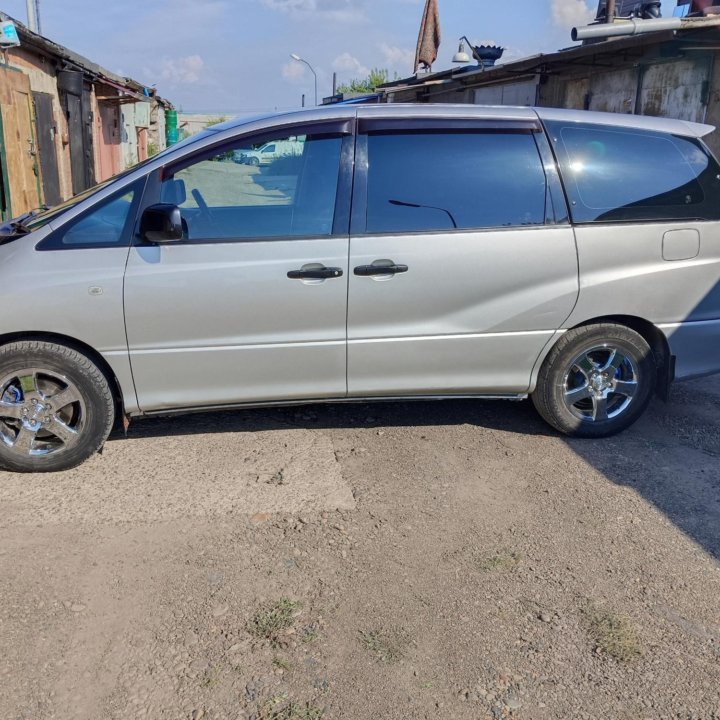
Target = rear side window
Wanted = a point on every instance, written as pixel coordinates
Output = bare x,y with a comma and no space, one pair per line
434,181
623,175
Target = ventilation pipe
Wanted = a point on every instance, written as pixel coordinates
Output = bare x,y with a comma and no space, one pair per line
626,27
32,15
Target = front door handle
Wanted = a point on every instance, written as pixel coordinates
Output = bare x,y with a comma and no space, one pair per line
368,270
321,273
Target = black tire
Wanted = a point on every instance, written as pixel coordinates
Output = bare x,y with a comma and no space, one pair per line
253,161
577,383
70,396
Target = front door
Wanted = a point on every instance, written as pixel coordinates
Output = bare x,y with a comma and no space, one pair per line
251,305
19,145
460,269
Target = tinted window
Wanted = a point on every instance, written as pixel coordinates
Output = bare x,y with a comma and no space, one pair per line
105,225
440,181
242,193
614,175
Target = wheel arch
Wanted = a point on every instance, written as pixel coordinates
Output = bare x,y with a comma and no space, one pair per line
654,337
83,348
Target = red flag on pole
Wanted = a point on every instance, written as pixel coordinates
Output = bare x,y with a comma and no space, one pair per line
429,38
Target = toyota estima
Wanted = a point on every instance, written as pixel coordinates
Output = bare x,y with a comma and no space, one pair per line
402,251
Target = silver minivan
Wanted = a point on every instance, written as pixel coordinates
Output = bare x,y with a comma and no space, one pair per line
404,252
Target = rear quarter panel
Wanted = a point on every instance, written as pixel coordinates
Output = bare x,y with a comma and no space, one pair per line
623,272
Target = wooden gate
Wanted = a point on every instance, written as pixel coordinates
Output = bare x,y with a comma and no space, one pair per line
18,147
46,134
77,104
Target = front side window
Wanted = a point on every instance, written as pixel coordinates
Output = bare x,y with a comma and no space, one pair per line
434,181
233,196
621,175
108,224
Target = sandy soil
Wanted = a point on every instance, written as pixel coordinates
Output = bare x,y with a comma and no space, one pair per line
414,560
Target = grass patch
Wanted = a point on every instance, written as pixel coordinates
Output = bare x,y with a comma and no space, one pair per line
613,634
500,561
281,707
281,663
268,622
386,646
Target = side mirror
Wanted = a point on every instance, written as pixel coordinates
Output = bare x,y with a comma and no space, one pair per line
161,224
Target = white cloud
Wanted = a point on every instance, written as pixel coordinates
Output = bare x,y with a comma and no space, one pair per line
186,70
338,10
348,64
293,71
571,13
397,59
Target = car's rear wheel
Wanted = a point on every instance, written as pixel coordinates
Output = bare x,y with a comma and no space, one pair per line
596,381
56,407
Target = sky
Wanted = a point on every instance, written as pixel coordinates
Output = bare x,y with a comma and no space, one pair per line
232,57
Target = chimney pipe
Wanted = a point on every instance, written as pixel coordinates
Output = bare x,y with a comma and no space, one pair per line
32,15
626,27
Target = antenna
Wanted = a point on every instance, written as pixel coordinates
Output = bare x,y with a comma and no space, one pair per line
37,17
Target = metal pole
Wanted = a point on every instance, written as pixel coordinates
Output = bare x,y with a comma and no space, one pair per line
37,17
31,15
312,70
334,92
303,100
610,11
314,76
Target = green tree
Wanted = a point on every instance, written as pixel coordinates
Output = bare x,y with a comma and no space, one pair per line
369,84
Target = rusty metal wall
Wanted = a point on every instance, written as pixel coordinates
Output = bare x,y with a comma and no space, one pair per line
577,92
614,91
516,93
676,89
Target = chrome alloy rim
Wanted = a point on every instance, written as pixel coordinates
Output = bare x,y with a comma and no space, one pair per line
600,384
41,412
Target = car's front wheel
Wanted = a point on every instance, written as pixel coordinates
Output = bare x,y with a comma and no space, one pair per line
596,381
56,407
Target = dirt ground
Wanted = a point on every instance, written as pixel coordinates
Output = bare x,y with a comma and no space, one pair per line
413,560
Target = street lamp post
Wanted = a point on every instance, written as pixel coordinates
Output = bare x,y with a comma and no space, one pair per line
312,70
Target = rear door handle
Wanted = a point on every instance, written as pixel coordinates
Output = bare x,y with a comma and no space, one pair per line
368,270
321,273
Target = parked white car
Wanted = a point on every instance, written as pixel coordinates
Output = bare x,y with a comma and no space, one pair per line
269,152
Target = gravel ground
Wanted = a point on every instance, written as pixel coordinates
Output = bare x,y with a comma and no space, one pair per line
411,560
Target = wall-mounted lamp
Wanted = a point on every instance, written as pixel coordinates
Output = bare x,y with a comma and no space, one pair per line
486,55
